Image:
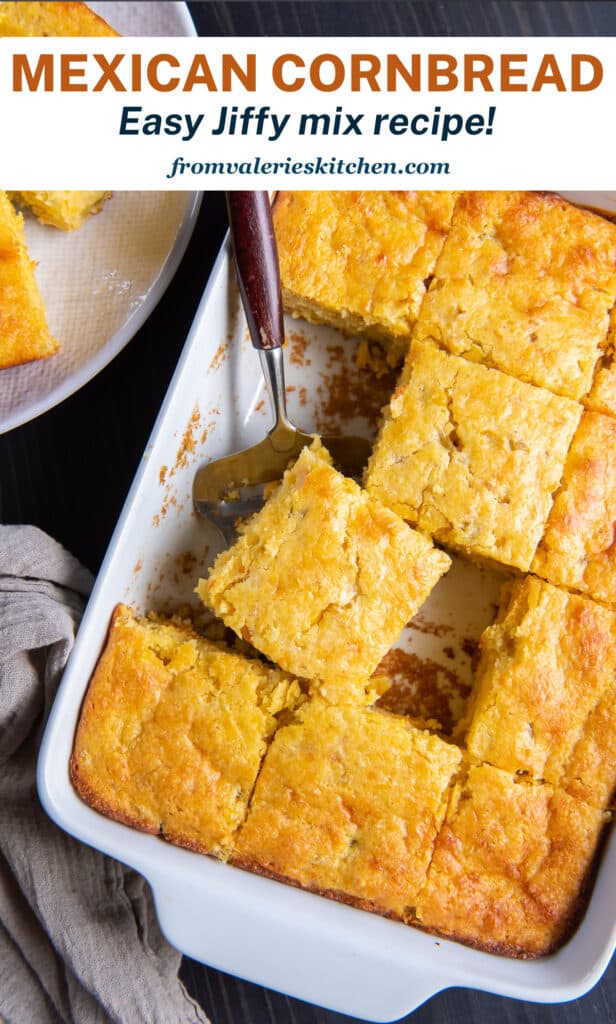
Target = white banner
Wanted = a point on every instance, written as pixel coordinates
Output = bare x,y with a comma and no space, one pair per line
195,113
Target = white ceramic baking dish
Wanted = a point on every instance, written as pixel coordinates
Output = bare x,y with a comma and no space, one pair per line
299,943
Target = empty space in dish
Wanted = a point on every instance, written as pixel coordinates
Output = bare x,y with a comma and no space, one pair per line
217,404
327,393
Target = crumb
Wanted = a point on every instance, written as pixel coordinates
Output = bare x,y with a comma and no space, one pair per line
187,560
298,346
423,625
347,393
219,356
422,689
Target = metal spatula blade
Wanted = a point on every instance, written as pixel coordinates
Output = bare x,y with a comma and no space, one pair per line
233,487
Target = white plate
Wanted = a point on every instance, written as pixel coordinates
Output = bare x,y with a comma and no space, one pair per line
307,946
101,283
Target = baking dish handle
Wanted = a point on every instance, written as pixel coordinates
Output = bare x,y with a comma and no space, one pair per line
362,983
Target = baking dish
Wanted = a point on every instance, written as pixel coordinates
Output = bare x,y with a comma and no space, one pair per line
299,943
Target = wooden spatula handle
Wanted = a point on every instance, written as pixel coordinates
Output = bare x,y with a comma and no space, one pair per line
256,261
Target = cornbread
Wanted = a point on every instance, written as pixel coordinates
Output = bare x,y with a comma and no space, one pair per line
500,442
545,691
524,283
348,802
64,210
510,864
51,19
323,579
173,730
602,397
24,334
577,549
471,456
360,261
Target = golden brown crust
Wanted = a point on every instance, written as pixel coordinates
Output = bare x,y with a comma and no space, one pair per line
90,795
173,730
471,456
349,800
578,548
360,260
524,283
256,868
602,397
510,864
354,803
64,210
545,691
485,943
361,572
24,334
54,18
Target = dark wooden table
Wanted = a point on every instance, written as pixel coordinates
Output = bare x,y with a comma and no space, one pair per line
69,471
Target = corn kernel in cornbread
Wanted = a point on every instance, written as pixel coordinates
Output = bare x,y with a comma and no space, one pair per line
472,456
323,579
545,691
349,801
51,19
360,261
24,334
173,731
510,864
64,210
578,549
524,283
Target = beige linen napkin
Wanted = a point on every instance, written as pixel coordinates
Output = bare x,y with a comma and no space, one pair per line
79,940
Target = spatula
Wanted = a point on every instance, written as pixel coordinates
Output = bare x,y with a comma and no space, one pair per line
233,487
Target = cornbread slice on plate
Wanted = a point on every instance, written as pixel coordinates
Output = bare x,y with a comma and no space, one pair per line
64,210
510,864
360,261
323,579
524,283
578,548
545,691
472,456
173,731
348,803
51,19
24,334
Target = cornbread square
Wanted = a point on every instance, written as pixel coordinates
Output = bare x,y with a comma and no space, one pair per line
348,803
602,397
524,283
173,731
545,691
578,549
323,579
51,19
64,210
471,456
360,261
510,864
24,334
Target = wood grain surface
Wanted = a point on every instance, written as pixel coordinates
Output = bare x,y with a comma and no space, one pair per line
69,471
